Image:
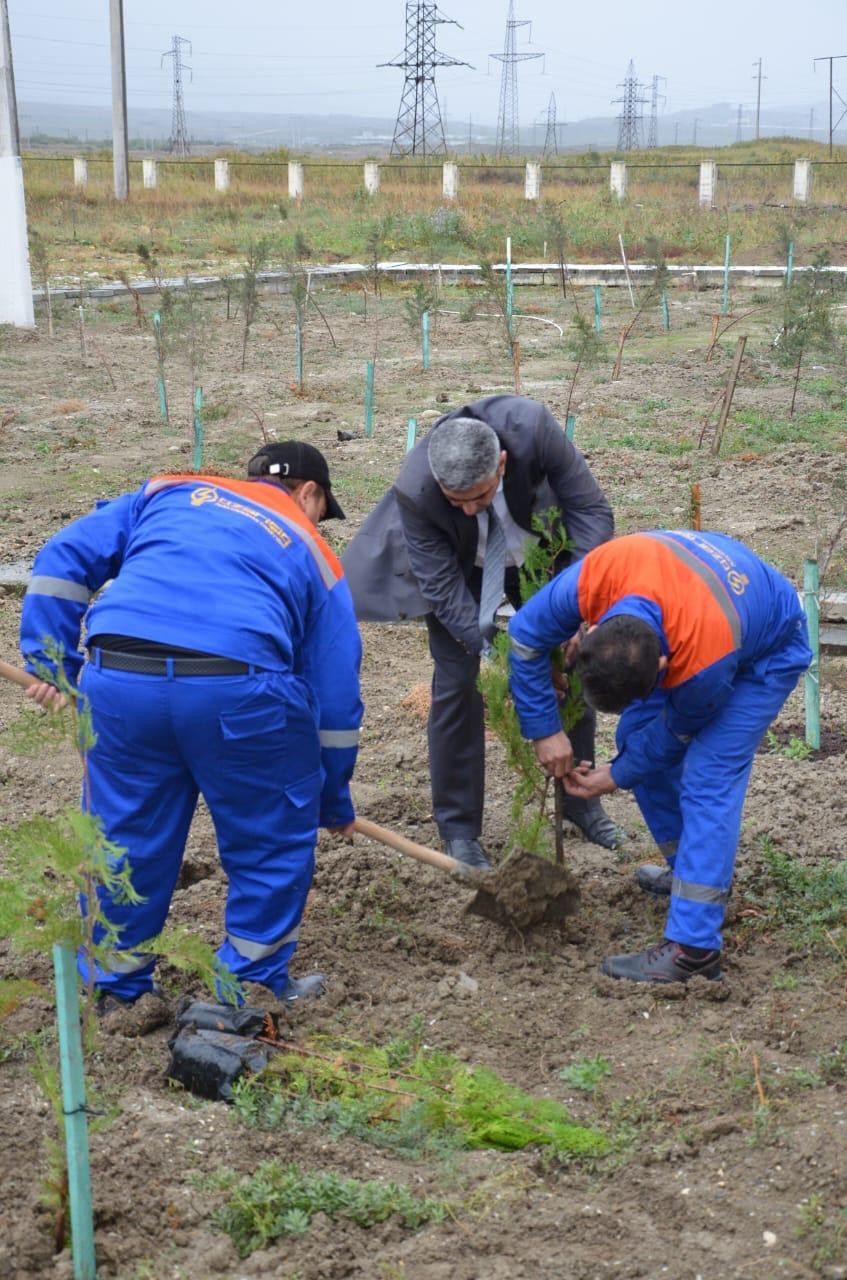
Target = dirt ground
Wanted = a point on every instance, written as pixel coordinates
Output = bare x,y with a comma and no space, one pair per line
726,1104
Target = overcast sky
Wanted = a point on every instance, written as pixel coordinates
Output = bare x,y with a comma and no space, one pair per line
269,56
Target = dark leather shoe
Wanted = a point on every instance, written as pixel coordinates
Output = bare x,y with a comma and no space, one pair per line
665,962
470,852
298,990
654,880
593,821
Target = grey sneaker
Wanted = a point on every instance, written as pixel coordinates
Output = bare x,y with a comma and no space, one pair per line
470,852
654,880
299,990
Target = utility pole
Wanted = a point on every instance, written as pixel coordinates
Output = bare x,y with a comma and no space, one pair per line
120,137
738,125
758,78
629,120
15,279
830,58
419,129
551,140
508,123
178,142
653,133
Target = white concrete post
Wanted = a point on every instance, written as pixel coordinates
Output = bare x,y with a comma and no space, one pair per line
708,184
295,180
532,182
618,179
15,280
802,180
150,174
371,177
80,172
222,175
450,180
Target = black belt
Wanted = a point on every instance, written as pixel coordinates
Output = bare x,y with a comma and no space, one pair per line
178,666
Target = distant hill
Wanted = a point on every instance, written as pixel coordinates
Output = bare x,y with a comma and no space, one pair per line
73,125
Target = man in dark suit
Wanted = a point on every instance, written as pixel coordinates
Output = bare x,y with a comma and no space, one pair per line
433,548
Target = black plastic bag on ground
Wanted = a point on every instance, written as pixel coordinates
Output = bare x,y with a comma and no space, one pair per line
208,1063
246,1021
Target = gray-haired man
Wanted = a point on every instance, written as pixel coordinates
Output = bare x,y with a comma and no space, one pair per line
432,547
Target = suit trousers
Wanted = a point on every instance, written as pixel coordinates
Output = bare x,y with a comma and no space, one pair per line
456,729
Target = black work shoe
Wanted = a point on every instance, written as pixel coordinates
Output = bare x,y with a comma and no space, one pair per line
299,990
654,880
593,821
106,1002
470,852
665,962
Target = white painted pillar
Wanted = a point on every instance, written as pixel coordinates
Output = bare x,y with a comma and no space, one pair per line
222,175
371,177
708,184
15,279
532,183
295,180
150,174
80,172
802,180
450,180
618,179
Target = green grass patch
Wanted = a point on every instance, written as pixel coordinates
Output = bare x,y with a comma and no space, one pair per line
651,444
752,431
809,903
408,1099
281,1200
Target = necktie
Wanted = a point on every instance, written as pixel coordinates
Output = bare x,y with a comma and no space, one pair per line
493,573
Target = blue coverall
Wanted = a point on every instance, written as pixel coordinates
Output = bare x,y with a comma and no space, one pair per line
232,569
734,635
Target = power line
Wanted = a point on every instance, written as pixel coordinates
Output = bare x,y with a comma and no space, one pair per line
178,142
419,129
508,122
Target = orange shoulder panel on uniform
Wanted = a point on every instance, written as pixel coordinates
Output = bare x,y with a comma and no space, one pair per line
700,622
261,495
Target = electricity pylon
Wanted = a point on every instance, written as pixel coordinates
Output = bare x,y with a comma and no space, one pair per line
418,129
551,139
178,142
629,120
508,124
653,132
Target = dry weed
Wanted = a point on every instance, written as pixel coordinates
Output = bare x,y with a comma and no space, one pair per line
417,701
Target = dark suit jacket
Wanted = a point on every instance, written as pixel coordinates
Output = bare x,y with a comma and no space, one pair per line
415,553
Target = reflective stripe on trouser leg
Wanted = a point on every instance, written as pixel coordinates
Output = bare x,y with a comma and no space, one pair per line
145,797
714,783
259,770
657,796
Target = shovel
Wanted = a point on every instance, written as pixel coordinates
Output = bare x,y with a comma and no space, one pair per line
523,891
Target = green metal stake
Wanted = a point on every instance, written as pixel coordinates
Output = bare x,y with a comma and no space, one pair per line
510,294
411,433
298,352
725,299
163,395
812,679
425,338
666,315
369,400
198,429
75,1117
570,427
598,321
789,270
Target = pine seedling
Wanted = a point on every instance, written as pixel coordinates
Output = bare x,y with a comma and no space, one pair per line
256,257
809,320
530,828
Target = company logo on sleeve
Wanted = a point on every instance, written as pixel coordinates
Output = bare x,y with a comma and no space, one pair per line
205,494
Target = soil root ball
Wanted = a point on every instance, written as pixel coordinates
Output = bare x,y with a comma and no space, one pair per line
525,891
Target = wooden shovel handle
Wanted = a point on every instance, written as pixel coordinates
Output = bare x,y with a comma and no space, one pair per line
402,844
17,676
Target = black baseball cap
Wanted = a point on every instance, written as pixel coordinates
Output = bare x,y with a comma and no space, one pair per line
299,460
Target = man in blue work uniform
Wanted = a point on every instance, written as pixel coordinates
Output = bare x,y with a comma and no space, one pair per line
223,660
698,643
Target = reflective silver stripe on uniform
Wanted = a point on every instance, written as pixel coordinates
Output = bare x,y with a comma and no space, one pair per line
698,892
523,650
126,961
668,848
339,737
61,588
261,950
711,579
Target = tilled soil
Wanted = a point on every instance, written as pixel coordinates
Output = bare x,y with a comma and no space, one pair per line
726,1103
